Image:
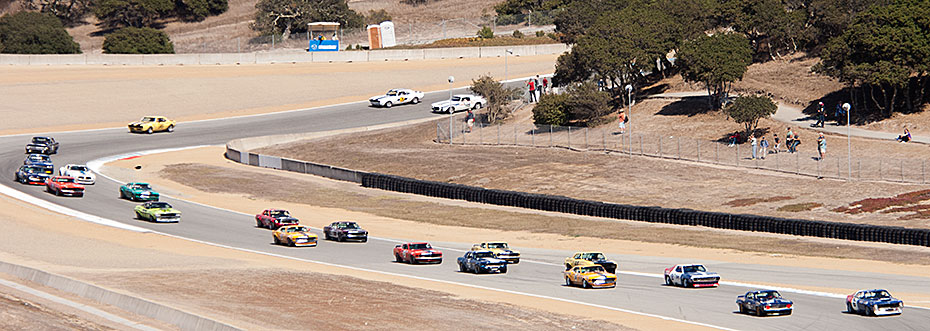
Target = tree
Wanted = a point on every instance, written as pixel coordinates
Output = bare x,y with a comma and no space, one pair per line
131,40
35,33
196,10
69,11
748,110
134,13
717,61
552,109
286,16
496,94
586,102
377,16
486,33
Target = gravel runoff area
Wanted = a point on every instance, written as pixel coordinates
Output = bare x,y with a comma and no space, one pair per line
232,286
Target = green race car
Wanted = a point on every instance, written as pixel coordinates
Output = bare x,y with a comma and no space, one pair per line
160,212
138,192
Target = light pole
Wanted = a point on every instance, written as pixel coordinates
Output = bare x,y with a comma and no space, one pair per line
629,106
847,107
505,63
451,108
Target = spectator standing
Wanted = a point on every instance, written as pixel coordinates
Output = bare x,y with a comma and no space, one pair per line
904,137
821,146
733,139
775,150
538,87
470,120
795,142
764,144
840,114
545,86
532,87
754,144
820,115
789,140
622,118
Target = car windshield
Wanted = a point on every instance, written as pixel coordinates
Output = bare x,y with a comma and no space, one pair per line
296,229
159,205
148,119
484,254
497,245
38,157
391,93
593,268
280,213
593,256
46,169
695,268
64,180
456,98
420,246
33,169
877,294
78,168
347,226
140,187
39,140
768,295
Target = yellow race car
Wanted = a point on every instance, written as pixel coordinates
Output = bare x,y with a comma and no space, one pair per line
294,235
500,250
590,258
149,124
590,276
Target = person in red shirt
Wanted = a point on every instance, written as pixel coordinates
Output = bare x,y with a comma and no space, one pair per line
532,86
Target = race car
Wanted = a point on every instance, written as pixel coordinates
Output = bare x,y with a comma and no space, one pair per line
345,230
481,262
138,192
42,145
764,302
590,276
500,250
590,258
39,160
691,275
417,252
149,124
294,235
459,102
160,212
874,302
33,174
64,185
396,97
80,172
274,218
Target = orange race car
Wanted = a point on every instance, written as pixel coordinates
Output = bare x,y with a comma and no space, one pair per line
64,185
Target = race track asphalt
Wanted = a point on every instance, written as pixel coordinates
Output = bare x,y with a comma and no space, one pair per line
639,289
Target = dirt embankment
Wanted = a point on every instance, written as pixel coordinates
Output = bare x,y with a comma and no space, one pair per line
19,314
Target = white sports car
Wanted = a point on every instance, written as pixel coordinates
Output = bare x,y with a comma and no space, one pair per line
459,102
396,97
80,172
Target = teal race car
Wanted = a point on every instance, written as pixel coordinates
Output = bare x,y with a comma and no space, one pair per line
138,192
159,212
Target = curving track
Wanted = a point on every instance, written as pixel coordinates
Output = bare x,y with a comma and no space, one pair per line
640,289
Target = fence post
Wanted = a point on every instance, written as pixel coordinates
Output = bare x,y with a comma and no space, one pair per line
797,162
737,155
819,161
550,135
641,145
464,125
716,153
569,137
480,134
532,137
604,139
660,146
438,139
499,133
698,141
902,170
515,134
679,148
880,175
923,177
586,138
859,168
838,167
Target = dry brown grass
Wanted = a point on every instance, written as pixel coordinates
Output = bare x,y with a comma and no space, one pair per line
19,314
751,201
257,185
799,207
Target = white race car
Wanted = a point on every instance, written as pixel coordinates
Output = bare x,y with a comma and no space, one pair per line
80,172
396,97
459,102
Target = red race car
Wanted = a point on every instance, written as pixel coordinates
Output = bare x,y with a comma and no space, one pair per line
274,219
414,253
64,185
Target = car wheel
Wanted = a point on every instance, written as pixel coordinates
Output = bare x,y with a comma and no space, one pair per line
567,267
397,258
742,309
477,106
276,240
57,192
149,131
411,260
688,283
388,104
461,267
504,270
517,261
869,311
849,308
138,216
584,283
340,238
415,100
568,282
327,236
291,242
171,128
365,240
258,224
760,312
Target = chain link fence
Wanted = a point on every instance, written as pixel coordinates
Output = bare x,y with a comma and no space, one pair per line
235,37
807,162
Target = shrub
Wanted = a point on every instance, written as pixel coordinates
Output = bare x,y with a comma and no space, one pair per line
377,16
197,10
540,34
132,40
496,94
748,110
486,33
35,33
587,102
517,34
552,109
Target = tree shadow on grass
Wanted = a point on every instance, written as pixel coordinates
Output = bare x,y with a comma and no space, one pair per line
687,106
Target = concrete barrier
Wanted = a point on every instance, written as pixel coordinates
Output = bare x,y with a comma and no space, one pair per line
284,57
267,161
551,49
57,59
170,59
115,59
14,59
347,56
183,320
226,58
451,53
395,55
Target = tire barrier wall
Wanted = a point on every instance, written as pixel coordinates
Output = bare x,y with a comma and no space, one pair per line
183,320
279,57
742,222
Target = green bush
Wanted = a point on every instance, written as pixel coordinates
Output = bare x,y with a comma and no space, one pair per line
517,34
552,109
132,40
197,10
540,34
35,33
486,33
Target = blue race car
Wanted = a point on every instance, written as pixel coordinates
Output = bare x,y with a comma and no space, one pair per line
33,174
764,302
43,145
874,302
481,262
39,160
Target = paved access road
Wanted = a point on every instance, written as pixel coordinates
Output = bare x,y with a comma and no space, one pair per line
639,289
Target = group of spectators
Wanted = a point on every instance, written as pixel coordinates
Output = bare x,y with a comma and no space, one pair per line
792,140
537,87
839,115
